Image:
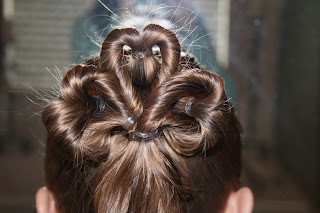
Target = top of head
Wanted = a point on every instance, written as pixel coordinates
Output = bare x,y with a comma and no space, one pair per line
135,130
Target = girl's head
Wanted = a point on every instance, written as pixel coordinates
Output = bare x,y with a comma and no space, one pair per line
142,129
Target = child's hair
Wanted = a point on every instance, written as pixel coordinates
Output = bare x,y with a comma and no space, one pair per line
141,129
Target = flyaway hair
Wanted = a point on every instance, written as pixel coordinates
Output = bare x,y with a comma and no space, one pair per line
141,129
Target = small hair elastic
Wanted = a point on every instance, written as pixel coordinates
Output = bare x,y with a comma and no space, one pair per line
139,54
145,135
187,107
132,119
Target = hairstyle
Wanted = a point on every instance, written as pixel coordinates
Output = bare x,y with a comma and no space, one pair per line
141,129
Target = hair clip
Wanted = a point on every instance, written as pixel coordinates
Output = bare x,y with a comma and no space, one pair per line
187,107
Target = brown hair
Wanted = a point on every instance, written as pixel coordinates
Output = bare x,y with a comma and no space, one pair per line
135,131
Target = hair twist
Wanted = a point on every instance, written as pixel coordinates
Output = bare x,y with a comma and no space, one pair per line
143,69
90,105
171,101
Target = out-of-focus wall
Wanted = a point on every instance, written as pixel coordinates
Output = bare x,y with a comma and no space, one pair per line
40,37
37,34
298,115
274,54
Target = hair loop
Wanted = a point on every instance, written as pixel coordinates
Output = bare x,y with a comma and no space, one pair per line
188,106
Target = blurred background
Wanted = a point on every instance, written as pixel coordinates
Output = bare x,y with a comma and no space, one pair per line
268,51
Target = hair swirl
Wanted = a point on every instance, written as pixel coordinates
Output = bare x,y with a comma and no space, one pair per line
133,131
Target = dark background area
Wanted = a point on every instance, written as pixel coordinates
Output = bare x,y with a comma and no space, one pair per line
273,58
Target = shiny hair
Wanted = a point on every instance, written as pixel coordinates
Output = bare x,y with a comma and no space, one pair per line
141,129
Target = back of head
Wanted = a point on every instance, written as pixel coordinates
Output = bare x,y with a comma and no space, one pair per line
141,130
